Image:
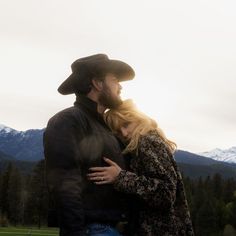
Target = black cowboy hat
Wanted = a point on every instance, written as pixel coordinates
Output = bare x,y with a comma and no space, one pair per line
96,66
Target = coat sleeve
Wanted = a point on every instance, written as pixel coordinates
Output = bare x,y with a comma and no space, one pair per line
63,174
157,183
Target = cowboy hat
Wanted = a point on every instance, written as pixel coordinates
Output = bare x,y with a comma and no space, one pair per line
93,67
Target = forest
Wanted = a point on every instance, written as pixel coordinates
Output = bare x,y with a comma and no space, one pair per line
24,201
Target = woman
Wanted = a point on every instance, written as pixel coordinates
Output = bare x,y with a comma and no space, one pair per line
154,180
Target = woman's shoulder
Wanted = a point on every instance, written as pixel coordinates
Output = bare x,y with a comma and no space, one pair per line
151,137
153,142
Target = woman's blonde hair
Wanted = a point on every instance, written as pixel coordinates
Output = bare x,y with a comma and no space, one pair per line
126,113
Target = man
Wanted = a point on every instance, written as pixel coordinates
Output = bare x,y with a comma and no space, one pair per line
76,139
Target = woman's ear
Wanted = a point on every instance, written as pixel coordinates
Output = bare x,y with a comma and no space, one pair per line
97,84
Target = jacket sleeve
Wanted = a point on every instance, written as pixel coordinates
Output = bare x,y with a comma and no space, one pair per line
157,183
63,174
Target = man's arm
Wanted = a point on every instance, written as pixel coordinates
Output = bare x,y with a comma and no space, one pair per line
63,173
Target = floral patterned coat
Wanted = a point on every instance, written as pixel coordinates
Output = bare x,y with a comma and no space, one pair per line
157,185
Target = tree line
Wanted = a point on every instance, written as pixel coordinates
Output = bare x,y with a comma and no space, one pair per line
24,201
23,197
212,203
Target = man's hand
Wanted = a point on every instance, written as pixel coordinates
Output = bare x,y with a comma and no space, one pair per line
104,175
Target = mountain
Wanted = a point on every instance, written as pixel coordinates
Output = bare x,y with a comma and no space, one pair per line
194,165
22,145
195,171
5,157
24,166
226,155
193,159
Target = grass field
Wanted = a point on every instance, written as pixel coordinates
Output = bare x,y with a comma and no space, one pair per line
17,231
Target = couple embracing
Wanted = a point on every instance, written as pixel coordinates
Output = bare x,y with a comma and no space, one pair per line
110,169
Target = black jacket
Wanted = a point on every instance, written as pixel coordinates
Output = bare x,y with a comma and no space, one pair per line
76,139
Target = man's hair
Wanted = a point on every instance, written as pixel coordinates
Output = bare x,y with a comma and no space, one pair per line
99,76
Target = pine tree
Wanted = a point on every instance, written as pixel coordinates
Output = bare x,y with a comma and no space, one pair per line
217,186
197,199
206,219
228,190
232,206
4,191
38,196
24,198
14,196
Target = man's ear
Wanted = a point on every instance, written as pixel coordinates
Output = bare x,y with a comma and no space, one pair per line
97,84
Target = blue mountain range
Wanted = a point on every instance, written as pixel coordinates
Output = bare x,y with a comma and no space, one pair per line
27,146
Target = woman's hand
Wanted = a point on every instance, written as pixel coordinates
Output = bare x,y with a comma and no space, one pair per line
104,175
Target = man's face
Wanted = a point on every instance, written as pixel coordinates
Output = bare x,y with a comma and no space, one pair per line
110,94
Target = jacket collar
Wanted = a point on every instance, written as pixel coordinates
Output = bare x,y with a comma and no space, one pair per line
89,106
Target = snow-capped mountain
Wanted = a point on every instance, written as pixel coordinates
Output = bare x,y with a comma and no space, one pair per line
4,130
226,155
28,146
22,145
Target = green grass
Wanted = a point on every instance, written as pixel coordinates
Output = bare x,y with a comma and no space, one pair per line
20,231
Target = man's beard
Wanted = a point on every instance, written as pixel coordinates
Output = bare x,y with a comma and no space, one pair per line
107,100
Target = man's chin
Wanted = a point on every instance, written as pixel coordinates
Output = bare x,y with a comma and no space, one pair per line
114,104
109,104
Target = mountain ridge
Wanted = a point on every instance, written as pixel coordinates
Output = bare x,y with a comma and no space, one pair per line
21,147
225,155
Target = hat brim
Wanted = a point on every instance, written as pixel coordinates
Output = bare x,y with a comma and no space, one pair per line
122,70
68,86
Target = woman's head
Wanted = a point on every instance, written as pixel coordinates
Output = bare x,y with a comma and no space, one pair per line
127,122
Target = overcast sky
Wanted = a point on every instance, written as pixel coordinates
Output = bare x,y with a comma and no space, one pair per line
183,52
